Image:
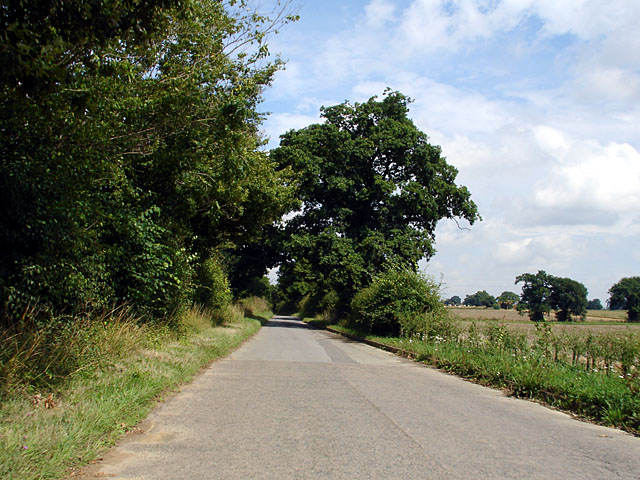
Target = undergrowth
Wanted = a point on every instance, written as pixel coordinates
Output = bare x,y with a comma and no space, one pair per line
68,391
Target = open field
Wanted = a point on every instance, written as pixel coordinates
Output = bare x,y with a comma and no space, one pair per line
597,322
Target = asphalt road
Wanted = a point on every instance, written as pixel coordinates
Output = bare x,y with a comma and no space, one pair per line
294,402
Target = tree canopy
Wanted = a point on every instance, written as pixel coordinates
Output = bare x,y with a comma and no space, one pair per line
479,299
129,156
625,295
508,299
372,190
542,292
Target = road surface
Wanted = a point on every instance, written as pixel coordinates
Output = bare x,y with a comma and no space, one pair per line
295,402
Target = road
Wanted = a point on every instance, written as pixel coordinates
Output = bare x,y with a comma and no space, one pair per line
295,402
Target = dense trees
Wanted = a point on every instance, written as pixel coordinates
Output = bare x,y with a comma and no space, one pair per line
625,294
372,191
453,301
594,304
129,161
542,292
479,299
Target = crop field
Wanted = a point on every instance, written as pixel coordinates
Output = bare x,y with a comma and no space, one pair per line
598,322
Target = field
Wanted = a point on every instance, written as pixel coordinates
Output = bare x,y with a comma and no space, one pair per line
598,322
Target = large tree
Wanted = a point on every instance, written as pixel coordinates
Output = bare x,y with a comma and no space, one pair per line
130,164
568,297
536,291
625,294
542,293
372,189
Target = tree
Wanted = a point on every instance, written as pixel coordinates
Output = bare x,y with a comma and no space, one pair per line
479,299
568,297
453,301
594,304
129,155
626,295
542,292
507,299
535,295
372,191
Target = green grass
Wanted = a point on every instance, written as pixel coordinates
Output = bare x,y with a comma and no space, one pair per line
49,428
542,369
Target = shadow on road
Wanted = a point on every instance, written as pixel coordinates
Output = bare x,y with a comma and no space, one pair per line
287,322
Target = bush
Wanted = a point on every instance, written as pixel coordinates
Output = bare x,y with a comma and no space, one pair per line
329,306
388,305
213,291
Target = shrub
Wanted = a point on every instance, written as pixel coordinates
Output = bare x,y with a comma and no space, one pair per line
329,306
213,285
392,298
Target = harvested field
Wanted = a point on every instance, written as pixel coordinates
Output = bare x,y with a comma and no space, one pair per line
598,322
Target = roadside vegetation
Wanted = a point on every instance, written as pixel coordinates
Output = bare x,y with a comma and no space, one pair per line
584,368
69,391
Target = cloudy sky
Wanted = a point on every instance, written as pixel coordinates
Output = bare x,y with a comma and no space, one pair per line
536,102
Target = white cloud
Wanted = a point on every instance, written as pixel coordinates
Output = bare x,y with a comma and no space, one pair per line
379,12
537,102
280,123
594,177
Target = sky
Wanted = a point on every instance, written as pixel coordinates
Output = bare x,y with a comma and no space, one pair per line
535,102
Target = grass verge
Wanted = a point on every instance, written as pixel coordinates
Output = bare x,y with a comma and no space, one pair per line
494,358
47,428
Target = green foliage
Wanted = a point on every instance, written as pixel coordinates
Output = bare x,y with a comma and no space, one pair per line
372,190
568,297
594,304
542,292
129,151
453,301
479,299
213,286
397,301
508,300
626,295
535,294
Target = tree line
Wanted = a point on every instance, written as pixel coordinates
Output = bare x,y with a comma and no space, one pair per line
130,162
132,172
542,293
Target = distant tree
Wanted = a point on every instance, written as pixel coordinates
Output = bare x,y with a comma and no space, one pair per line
594,304
568,297
536,291
480,299
626,295
453,301
508,299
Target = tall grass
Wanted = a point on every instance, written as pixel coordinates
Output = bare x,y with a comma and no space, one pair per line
70,389
33,356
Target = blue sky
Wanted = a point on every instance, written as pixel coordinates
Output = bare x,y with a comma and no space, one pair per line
536,102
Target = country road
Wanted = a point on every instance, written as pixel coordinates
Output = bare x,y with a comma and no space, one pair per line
295,402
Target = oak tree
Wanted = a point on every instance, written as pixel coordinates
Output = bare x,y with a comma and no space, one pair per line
372,189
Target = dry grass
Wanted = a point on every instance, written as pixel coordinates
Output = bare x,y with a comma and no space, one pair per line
111,375
598,322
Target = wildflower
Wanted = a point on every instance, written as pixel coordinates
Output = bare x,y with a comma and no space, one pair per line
25,447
